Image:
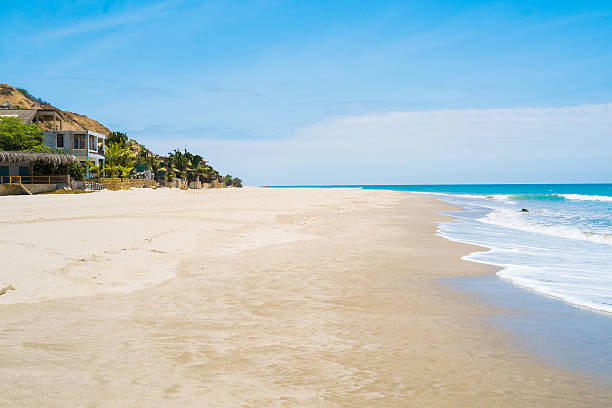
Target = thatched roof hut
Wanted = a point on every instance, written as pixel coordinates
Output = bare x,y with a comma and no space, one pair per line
30,157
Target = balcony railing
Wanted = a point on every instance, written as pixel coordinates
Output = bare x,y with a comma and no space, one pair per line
34,179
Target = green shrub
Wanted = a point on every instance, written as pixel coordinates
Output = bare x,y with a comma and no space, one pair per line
75,170
18,137
117,137
31,97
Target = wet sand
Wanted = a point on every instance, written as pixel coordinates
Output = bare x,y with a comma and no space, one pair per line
252,297
559,333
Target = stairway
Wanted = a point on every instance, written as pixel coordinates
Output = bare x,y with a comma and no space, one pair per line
14,189
25,190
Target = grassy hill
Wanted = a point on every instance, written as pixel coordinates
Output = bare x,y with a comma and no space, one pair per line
72,121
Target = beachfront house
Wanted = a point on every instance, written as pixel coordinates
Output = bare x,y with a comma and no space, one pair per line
16,172
86,145
44,117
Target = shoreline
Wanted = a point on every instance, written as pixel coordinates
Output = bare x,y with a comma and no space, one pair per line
497,222
550,314
499,268
281,296
547,312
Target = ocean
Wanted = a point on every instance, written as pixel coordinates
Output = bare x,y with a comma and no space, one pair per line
553,239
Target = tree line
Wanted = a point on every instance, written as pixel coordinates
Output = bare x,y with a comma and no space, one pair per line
124,157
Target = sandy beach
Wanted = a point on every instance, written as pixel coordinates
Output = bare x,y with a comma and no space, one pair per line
252,297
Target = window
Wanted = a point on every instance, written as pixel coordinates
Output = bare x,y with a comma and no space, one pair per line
78,142
93,145
4,173
60,141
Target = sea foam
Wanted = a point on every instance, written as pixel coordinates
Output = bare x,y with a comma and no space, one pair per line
581,197
559,248
512,219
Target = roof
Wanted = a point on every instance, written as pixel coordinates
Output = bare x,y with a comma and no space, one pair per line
73,131
49,110
24,115
26,157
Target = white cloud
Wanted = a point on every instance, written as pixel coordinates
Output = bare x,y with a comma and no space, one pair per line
568,144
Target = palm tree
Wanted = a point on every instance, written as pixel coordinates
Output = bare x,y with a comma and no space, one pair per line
119,155
155,165
169,167
197,167
125,170
97,169
114,152
180,162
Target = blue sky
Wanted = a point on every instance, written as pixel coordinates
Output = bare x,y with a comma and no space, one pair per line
278,92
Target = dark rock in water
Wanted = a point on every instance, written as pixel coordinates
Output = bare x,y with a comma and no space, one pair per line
524,210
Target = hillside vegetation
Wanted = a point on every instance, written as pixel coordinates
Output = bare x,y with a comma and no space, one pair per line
124,156
72,121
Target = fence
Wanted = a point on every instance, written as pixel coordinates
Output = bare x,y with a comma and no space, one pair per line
93,185
34,179
99,184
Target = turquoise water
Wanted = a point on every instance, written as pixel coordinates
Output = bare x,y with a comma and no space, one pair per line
561,247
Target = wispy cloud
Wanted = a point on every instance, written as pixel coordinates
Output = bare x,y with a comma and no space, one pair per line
109,21
109,83
356,102
578,18
234,91
203,132
568,144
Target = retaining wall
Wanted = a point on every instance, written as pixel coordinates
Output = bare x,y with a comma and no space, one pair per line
40,188
218,184
16,189
126,184
11,189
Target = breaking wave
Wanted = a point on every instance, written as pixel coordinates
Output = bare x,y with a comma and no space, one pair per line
581,197
512,219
